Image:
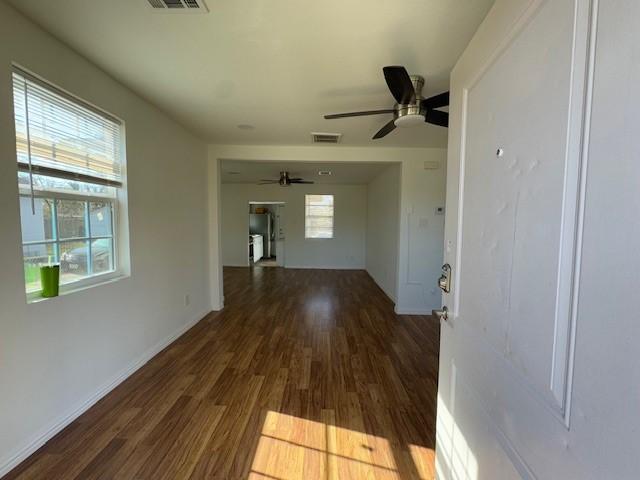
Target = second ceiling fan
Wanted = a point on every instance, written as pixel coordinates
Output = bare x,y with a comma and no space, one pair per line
285,180
410,108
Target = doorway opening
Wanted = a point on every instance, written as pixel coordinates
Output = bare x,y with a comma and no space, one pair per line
266,247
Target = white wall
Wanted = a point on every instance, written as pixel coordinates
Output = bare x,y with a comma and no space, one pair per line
383,227
421,231
345,250
59,355
606,382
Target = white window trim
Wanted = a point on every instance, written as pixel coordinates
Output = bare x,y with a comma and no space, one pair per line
120,226
79,285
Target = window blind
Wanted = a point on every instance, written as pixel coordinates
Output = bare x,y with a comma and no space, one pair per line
318,216
60,136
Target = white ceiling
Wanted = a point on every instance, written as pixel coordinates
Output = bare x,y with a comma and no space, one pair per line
277,65
246,171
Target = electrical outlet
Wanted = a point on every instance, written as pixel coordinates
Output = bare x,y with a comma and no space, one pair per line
187,300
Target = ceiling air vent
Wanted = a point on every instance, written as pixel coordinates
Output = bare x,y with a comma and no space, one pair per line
178,6
326,137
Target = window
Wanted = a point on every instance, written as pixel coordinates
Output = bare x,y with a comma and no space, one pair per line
69,177
318,216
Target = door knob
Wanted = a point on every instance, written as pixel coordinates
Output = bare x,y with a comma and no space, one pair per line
442,314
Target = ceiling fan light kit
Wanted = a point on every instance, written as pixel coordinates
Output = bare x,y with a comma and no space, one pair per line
411,108
409,119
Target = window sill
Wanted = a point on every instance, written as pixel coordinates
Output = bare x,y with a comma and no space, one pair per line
80,285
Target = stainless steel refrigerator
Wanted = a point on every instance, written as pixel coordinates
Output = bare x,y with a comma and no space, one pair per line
262,224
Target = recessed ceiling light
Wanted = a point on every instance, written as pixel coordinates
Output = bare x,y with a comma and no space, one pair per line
324,173
244,126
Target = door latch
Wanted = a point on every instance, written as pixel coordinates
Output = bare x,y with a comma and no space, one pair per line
442,314
444,282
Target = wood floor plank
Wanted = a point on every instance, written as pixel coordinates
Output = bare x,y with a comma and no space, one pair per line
95,439
182,457
306,374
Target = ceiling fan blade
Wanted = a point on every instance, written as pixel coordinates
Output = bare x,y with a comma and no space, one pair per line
384,131
299,180
437,118
400,84
358,114
268,182
437,101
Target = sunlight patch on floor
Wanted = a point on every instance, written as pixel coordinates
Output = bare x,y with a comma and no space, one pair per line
292,448
423,458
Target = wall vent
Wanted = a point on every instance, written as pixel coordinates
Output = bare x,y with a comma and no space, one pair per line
326,137
178,6
431,165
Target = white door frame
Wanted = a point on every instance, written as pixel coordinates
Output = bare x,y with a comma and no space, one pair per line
272,203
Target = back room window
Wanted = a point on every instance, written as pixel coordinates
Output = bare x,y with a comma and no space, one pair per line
318,216
69,175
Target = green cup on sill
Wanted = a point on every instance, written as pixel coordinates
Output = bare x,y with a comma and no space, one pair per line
50,280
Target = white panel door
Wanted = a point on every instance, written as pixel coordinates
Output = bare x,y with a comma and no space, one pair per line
513,217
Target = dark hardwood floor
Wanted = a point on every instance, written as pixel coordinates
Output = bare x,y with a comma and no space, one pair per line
306,374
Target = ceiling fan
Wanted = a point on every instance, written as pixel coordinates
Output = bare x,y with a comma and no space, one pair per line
284,181
410,107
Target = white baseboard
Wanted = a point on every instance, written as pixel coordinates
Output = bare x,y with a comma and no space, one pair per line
310,267
325,267
411,311
217,306
14,459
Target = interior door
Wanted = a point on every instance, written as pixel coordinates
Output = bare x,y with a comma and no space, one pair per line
513,211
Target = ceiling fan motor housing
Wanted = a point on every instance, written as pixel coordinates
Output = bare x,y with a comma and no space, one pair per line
413,113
